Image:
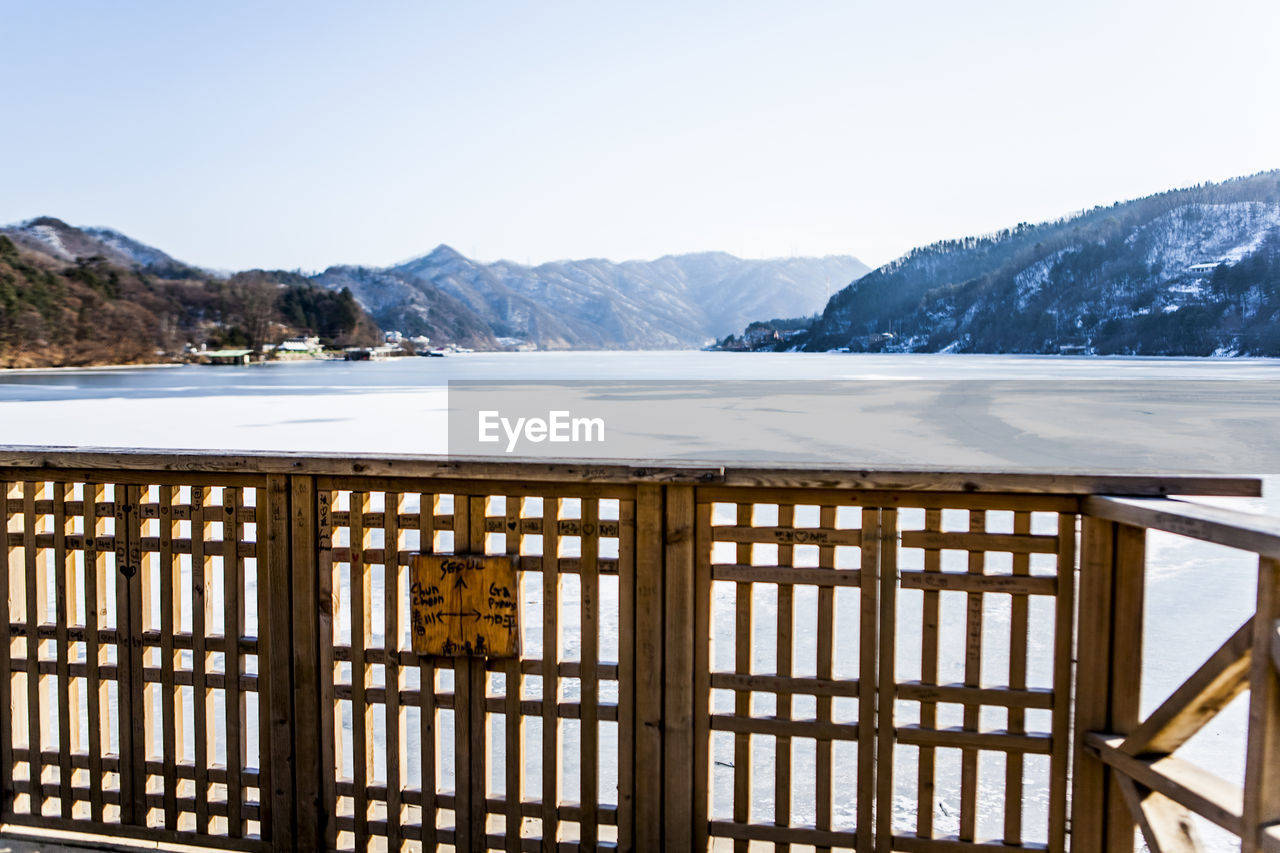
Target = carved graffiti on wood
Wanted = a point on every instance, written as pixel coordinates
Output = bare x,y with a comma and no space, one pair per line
465,606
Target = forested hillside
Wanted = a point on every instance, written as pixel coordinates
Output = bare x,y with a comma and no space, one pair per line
1185,272
73,297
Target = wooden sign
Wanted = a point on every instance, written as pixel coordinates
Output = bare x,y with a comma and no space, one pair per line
465,606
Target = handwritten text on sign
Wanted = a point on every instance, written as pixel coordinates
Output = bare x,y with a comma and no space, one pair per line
465,606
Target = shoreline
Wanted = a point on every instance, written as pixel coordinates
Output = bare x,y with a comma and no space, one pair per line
28,370
1046,357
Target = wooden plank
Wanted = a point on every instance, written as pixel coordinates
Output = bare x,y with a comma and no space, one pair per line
697,763
463,759
307,734
1165,826
946,480
232,631
589,606
1090,778
972,678
470,742
814,496
1017,543
785,575
143,557
626,675
743,651
1218,681
276,785
7,581
170,621
361,670
95,610
775,727
512,681
1018,626
962,737
201,616
825,641
394,750
129,657
1200,791
34,587
648,673
478,749
784,686
907,844
1261,805
684,755
888,534
868,660
976,584
608,471
1064,621
784,645
363,466
551,672
782,837
1006,697
64,585
326,602
783,536
1126,665
1233,528
40,835
926,769
428,731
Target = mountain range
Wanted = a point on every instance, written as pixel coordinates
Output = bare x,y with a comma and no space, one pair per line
678,301
674,302
1192,271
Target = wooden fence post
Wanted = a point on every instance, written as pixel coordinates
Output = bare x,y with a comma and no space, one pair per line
1108,677
275,629
680,766
7,593
132,728
648,671
1262,761
307,733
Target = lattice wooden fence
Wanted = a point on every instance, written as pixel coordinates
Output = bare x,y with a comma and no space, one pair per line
218,654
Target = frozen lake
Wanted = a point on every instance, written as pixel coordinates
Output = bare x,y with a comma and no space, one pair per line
400,406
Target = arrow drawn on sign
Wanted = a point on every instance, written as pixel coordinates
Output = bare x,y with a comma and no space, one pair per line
474,614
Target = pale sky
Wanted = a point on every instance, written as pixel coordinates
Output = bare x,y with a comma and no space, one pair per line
298,135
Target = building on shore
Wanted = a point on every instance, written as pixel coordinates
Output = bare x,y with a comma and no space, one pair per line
228,356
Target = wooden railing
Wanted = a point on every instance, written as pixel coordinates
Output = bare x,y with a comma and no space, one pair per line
1127,773
213,650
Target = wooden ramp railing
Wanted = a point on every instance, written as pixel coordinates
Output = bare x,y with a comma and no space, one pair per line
1127,773
214,650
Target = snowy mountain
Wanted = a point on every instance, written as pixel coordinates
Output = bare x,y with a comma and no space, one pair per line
403,304
55,238
675,301
1186,272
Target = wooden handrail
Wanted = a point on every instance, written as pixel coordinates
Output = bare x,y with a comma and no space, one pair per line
1084,482
1233,528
